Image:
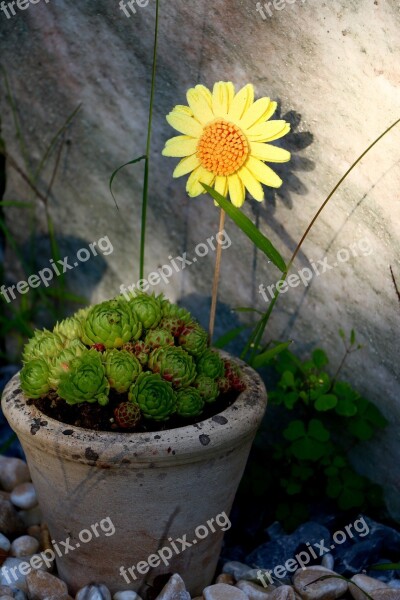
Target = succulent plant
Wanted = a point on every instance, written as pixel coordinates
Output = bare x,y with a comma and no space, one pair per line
174,365
173,310
122,369
210,364
43,344
172,324
112,324
193,339
34,378
70,328
147,309
154,396
156,338
207,388
127,415
61,363
232,373
140,350
85,381
189,402
224,385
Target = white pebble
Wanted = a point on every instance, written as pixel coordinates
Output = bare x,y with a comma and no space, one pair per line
13,471
24,496
25,545
5,543
126,596
93,592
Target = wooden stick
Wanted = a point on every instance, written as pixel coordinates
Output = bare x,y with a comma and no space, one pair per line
216,278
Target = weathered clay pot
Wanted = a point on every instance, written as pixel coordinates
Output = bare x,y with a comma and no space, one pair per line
152,487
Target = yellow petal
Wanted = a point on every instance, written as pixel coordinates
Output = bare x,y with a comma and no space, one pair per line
185,124
205,92
221,185
263,173
183,109
255,113
186,165
266,132
236,190
272,108
269,153
181,145
241,102
284,131
194,183
250,182
222,97
199,105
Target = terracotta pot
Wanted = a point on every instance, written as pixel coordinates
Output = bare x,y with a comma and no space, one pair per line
152,488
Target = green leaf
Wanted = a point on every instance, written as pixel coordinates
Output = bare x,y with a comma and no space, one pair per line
290,399
263,359
326,402
308,449
229,336
361,429
247,309
294,430
131,162
244,223
287,380
352,337
318,431
385,567
320,358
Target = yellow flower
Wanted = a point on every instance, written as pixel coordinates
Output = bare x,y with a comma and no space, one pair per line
224,141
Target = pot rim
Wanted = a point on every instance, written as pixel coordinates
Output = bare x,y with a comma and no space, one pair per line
224,431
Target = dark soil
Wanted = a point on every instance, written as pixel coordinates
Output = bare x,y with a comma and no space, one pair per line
101,418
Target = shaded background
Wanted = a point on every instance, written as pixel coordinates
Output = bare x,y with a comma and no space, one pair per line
333,67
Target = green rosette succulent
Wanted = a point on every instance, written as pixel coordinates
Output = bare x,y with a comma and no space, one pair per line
111,324
169,309
154,396
193,339
34,378
70,328
82,313
43,344
207,388
61,363
147,310
85,381
189,402
156,338
174,365
210,364
122,369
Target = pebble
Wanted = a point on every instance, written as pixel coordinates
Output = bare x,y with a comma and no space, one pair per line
225,578
368,584
13,471
240,571
254,591
6,597
328,561
283,592
175,589
24,546
24,496
43,586
10,522
20,580
5,544
126,596
327,589
386,594
19,595
222,591
31,517
4,590
34,531
93,592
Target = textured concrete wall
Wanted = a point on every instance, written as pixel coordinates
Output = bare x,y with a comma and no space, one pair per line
333,66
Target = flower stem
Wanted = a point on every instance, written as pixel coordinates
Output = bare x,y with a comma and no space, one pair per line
216,278
147,159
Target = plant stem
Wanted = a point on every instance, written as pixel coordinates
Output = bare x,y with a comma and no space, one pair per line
147,160
216,278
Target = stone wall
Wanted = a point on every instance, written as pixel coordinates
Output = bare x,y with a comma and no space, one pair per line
334,68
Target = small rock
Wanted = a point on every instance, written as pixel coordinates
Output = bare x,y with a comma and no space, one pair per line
7,575
174,590
367,584
386,595
126,596
6,597
254,591
306,584
93,592
34,531
238,570
31,517
4,590
328,561
24,546
13,471
283,592
19,595
225,578
222,591
5,544
24,496
42,585
10,522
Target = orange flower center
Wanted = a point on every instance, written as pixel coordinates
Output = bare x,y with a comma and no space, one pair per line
222,148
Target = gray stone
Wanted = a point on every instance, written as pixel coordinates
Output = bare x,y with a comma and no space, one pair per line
283,592
24,496
31,517
93,592
238,570
175,589
10,521
225,578
328,561
388,594
367,584
6,597
5,590
14,578
311,584
25,545
254,591
5,543
13,471
19,595
126,596
44,586
221,591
